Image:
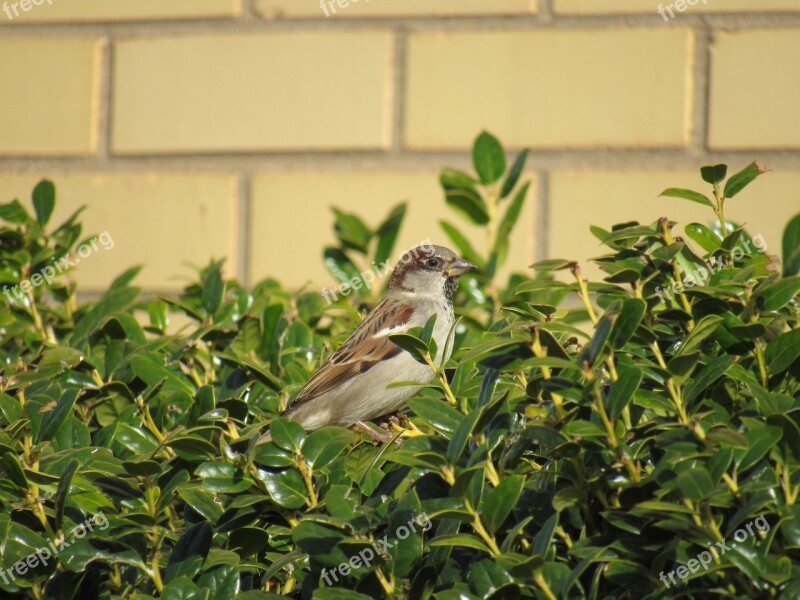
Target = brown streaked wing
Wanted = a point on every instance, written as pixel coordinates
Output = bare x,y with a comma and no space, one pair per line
360,352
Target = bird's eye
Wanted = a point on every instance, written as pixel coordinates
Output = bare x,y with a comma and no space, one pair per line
433,263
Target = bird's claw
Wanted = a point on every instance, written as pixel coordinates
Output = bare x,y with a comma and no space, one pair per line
383,437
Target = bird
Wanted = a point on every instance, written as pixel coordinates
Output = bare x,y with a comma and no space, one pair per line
351,386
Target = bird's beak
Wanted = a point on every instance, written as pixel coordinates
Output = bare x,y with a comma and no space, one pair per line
458,267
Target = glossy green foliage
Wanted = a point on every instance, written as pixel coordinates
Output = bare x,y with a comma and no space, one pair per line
585,438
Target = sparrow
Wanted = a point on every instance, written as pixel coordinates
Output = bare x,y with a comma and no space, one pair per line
351,386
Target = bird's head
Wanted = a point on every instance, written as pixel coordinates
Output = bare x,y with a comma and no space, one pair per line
428,271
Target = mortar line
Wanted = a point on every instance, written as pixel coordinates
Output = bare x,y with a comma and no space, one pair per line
242,223
102,119
517,22
577,159
701,89
399,90
542,237
247,10
546,11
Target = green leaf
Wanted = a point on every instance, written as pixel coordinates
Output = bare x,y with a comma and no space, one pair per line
17,542
222,583
594,349
566,498
488,158
190,552
150,369
14,212
53,419
439,415
451,179
321,541
388,231
271,455
461,436
791,247
488,385
687,195
501,500
703,329
323,445
63,491
630,233
411,344
554,362
182,588
553,264
513,174
213,289
541,542
779,294
338,593
682,365
135,439
340,266
760,441
44,200
351,230
13,471
783,351
627,322
622,390
727,438
287,434
142,467
707,239
583,429
469,205
248,339
714,174
222,478
459,540
80,553
713,371
427,331
743,178
286,488
695,483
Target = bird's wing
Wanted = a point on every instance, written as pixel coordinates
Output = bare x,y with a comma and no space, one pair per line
368,345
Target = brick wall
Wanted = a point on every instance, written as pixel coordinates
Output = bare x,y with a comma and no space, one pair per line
199,128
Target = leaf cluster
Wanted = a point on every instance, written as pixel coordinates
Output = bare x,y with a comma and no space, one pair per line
584,438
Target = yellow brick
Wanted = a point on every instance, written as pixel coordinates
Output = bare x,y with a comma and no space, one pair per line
593,7
390,8
163,221
50,96
550,89
39,11
276,91
579,199
292,221
754,90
